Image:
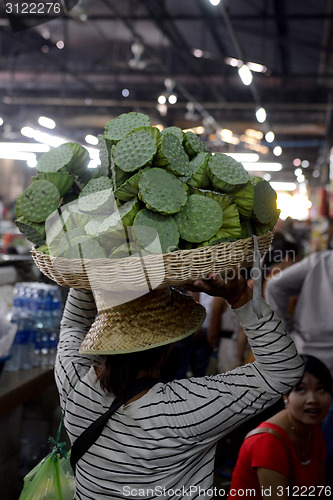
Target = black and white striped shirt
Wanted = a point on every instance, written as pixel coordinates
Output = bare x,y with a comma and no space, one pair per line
163,444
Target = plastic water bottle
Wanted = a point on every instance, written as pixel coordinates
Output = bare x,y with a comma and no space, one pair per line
37,311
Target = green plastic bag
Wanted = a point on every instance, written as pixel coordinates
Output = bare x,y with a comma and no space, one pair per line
52,478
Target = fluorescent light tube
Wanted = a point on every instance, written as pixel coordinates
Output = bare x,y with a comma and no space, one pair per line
263,166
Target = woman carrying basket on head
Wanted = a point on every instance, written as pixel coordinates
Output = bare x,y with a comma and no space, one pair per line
160,443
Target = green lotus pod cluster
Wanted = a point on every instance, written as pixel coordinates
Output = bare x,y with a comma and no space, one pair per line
161,191
226,174
154,191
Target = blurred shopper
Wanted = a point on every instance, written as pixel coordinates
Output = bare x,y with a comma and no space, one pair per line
281,254
285,455
311,325
223,335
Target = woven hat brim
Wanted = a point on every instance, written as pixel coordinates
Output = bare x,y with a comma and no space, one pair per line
151,321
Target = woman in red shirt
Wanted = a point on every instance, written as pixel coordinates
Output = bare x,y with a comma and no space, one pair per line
285,456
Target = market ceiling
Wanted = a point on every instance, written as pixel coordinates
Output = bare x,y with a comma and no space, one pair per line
107,57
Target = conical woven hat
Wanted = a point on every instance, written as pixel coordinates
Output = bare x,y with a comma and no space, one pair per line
157,318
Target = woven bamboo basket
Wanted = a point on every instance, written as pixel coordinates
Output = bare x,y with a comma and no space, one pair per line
154,271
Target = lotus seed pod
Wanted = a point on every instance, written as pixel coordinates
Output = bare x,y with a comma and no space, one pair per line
150,130
134,151
172,155
193,144
264,206
33,231
175,131
155,233
199,169
244,199
63,181
199,219
161,191
39,200
54,160
118,128
226,174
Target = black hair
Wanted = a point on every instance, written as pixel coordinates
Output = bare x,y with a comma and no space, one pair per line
117,371
317,368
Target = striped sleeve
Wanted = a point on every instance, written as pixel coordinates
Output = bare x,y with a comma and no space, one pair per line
78,316
277,364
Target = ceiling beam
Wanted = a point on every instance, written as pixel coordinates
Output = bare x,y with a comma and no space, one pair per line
282,35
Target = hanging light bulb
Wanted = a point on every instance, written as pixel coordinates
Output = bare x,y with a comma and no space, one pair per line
172,99
245,74
270,136
261,115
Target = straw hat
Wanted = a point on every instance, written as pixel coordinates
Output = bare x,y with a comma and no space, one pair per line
154,319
